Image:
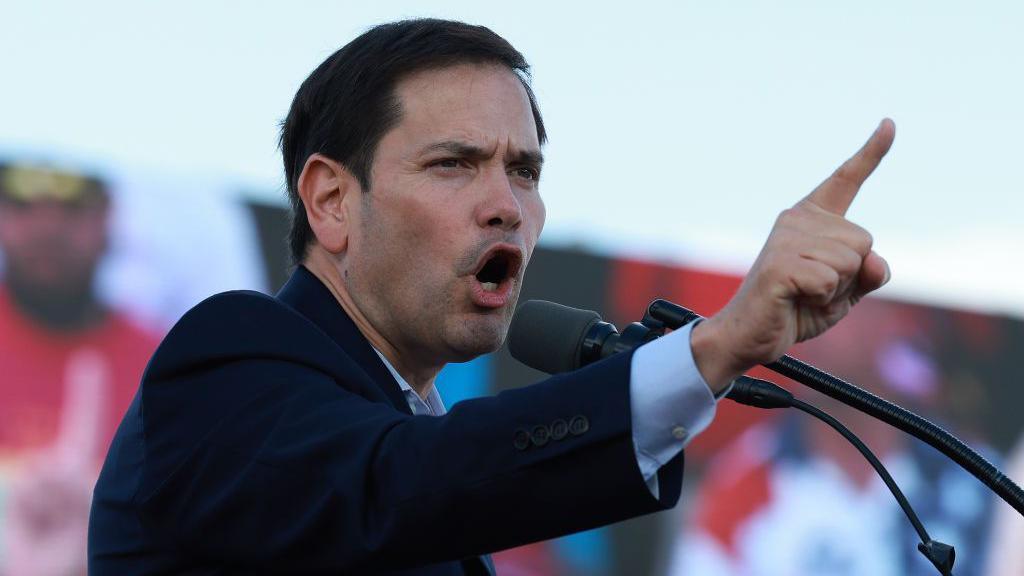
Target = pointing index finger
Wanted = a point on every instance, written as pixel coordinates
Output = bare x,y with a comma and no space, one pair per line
837,192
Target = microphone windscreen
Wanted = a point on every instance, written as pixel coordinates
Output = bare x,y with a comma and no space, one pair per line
548,336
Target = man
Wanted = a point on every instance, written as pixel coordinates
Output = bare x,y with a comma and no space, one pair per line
303,434
69,365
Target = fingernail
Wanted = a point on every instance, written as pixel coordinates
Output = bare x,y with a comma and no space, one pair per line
888,275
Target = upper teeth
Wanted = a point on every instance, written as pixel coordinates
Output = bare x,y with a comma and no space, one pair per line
489,286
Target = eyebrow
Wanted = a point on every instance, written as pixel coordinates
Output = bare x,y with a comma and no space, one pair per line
465,150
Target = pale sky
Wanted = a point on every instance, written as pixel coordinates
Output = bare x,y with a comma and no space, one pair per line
678,130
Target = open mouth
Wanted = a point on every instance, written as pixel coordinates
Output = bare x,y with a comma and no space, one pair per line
499,265
494,281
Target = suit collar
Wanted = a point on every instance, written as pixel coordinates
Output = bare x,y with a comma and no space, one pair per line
307,295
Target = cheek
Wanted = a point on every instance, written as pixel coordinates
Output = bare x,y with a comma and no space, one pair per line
536,213
403,248
428,228
430,251
19,228
9,232
88,238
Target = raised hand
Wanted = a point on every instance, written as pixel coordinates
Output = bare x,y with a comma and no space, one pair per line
49,498
813,268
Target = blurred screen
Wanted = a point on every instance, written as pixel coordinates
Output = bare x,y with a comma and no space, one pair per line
97,265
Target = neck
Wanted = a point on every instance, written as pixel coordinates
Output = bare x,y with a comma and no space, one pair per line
56,310
328,269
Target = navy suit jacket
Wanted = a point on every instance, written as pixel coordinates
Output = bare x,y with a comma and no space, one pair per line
268,437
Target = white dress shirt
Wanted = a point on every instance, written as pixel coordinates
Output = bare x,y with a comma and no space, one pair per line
670,403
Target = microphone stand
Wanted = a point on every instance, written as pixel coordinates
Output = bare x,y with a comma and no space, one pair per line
662,314
764,394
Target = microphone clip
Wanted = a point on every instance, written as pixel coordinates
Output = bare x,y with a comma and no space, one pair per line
603,339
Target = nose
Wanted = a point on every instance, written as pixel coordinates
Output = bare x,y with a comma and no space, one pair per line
500,208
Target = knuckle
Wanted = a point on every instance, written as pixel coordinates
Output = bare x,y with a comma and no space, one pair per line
845,174
854,236
830,284
867,239
789,217
862,240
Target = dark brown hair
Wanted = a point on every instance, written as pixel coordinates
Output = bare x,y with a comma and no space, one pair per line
348,103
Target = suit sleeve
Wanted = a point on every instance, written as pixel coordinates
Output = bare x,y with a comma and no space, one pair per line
286,469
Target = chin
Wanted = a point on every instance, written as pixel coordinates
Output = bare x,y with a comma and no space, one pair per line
472,338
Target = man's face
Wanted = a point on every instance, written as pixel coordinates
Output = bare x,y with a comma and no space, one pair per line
53,246
438,247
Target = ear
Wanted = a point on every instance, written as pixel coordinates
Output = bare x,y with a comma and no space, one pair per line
323,186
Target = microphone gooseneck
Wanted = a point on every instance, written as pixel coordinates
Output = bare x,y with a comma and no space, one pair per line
675,316
555,338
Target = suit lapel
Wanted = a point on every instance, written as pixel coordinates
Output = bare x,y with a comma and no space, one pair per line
308,296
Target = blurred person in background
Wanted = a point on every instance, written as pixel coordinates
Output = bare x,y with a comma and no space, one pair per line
69,365
792,497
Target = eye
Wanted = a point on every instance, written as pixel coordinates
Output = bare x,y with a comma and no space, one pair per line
447,163
527,173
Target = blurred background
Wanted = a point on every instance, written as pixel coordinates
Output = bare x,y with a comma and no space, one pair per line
139,174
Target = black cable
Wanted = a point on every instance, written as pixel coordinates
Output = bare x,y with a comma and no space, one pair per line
764,394
875,463
673,316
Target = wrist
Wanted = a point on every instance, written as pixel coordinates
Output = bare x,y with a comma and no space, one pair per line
713,355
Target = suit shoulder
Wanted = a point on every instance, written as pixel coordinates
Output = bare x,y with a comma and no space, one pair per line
238,325
240,314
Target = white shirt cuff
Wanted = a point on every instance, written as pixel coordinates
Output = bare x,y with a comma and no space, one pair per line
670,401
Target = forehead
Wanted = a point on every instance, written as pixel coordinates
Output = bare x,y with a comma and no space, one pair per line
483,103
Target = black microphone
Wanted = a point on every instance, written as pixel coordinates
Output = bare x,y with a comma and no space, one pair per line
554,338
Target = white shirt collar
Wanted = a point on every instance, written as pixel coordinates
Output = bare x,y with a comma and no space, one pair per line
431,406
